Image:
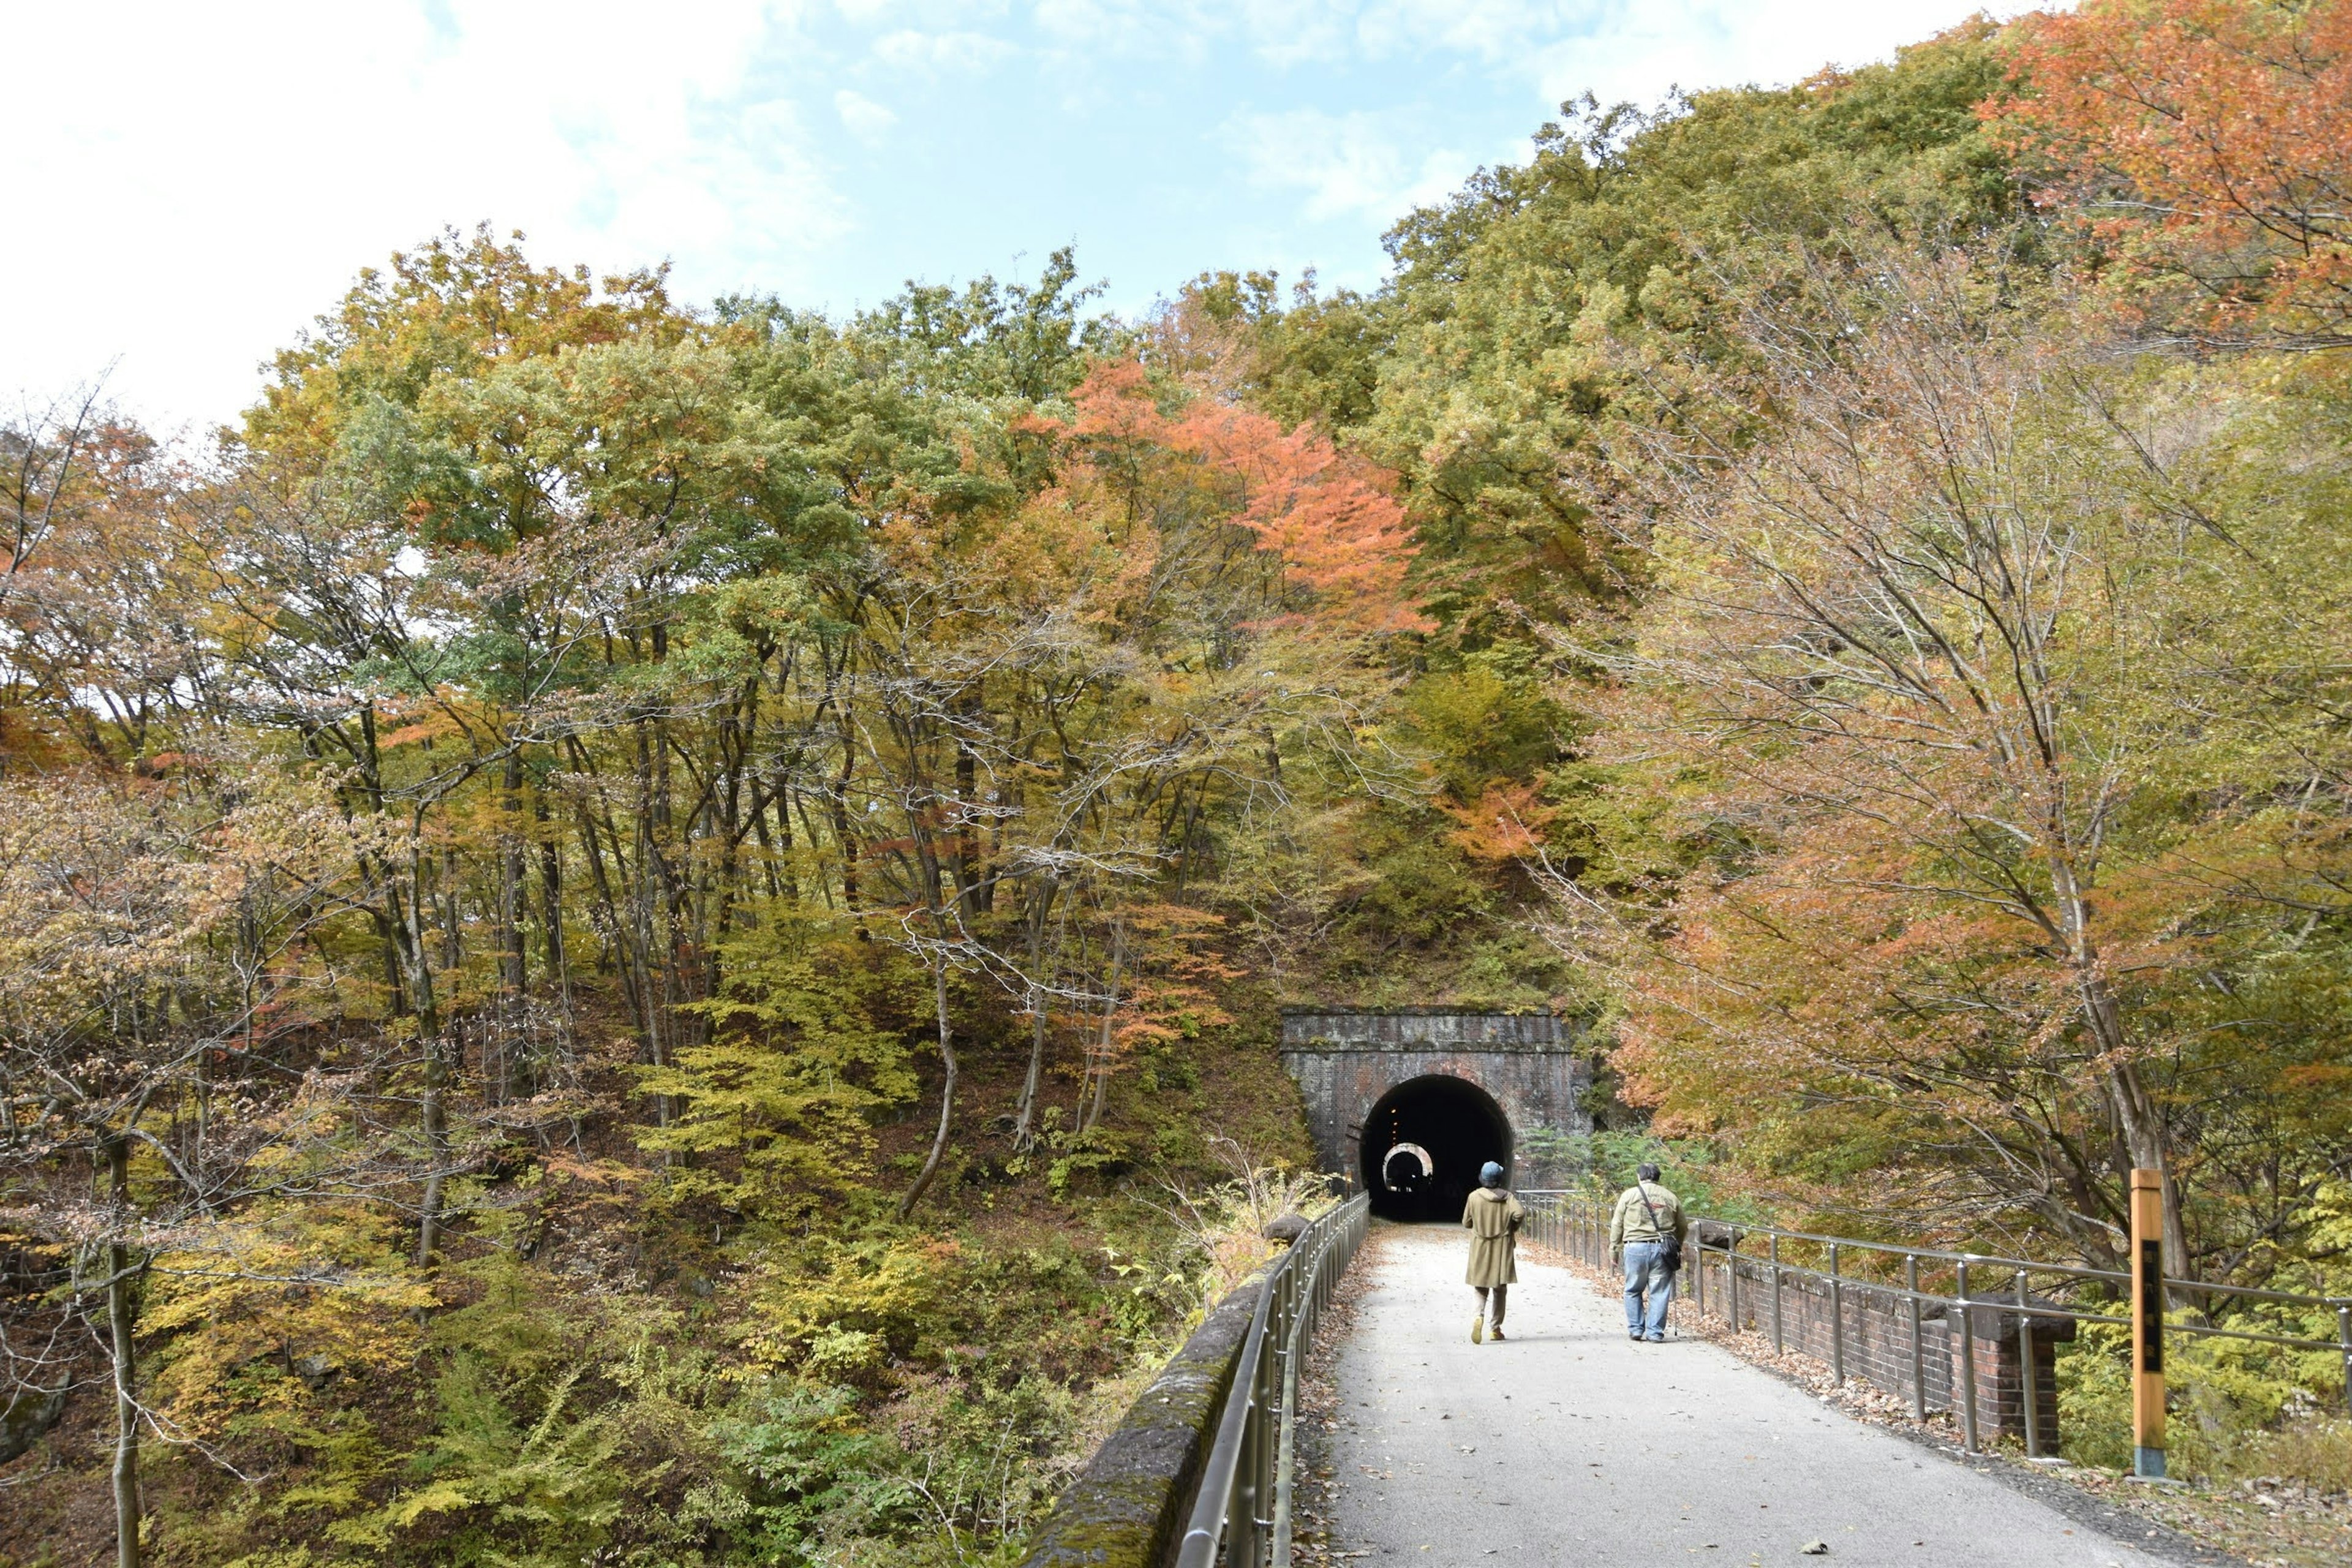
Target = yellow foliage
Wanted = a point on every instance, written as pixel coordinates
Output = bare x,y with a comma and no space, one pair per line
259,1314
845,1306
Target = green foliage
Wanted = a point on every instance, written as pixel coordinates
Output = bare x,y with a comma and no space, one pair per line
808,1469
1488,719
1496,388
801,1062
494,1483
1018,341
1603,1163
1069,1156
667,697
2094,1397
2235,1408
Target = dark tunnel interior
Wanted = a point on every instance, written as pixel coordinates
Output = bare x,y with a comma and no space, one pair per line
1458,1126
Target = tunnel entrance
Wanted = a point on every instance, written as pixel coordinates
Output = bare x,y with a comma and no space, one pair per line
1422,1145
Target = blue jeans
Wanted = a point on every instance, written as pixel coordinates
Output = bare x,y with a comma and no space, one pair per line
1646,1274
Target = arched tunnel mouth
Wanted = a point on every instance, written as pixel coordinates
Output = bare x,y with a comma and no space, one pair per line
1422,1145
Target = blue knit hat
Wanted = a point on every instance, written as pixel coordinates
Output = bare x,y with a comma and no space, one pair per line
1490,1174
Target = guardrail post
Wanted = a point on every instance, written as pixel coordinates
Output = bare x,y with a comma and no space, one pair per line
1780,1344
1967,1368
1731,1279
2147,1324
2029,1368
1699,1279
1241,1544
1242,1505
1269,1419
2344,1338
1918,1361
1837,1319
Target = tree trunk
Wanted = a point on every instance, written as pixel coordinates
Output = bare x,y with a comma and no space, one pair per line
2141,1126
515,1065
550,893
1026,1114
434,1115
127,1510
2138,1121
1090,1107
512,976
431,1113
946,1089
453,934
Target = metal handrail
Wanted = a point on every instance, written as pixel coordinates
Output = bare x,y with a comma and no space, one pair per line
1255,1443
1998,1260
1576,1220
1743,1229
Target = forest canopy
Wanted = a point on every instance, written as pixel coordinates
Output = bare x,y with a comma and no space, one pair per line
649,933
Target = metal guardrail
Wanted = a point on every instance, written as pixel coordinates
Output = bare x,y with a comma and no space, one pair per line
1250,1465
1577,1224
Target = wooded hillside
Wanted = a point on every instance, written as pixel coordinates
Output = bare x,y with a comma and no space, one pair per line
648,933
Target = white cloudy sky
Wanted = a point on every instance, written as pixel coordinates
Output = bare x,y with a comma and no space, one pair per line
195,182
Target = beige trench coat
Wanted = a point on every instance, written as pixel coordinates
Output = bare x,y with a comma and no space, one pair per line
1492,1217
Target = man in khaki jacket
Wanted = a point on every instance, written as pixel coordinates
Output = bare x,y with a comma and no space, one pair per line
1492,1217
1646,1214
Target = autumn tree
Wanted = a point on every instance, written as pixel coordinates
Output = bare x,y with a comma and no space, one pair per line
159,944
1929,677
2208,142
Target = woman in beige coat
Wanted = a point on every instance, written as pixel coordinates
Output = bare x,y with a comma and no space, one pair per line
1492,1217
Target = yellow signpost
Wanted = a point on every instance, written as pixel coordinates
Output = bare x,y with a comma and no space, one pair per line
2147,1324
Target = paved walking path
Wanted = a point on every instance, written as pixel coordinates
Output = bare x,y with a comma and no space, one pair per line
1570,1444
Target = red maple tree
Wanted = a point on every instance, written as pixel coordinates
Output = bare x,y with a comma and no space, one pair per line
2210,144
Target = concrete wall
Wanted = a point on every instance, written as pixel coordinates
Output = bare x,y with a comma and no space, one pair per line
1345,1061
1128,1508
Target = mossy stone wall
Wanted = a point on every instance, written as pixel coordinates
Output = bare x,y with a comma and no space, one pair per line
1128,1508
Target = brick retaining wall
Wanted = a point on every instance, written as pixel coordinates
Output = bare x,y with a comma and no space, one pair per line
1878,1332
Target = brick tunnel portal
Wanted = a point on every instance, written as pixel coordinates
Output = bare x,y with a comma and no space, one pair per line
1410,1102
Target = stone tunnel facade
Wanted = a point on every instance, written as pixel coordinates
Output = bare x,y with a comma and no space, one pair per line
1531,1064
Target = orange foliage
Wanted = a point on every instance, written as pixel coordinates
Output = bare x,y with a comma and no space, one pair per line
1173,991
1505,824
2211,138
1330,517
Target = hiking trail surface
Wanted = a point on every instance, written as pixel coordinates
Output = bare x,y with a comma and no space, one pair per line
1567,1444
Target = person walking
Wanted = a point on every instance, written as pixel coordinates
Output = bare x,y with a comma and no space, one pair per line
1646,1232
1492,1217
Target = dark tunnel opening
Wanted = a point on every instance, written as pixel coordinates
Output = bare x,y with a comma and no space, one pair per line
1422,1145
